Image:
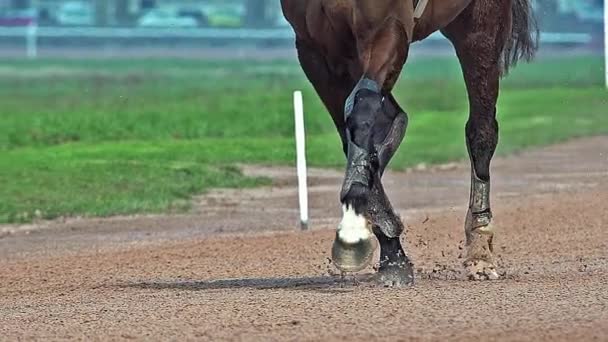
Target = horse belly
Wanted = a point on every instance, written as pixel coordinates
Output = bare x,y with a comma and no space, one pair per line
438,14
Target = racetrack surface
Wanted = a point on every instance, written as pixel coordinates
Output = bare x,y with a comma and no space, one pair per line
237,268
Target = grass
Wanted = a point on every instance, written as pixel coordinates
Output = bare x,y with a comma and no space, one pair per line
118,137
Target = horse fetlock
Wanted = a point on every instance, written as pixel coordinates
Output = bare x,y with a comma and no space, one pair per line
480,259
354,226
479,230
479,262
480,246
479,221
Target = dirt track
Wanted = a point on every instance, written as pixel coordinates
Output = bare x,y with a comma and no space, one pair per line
237,269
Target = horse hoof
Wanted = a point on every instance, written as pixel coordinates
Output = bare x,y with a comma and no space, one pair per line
481,270
354,244
353,257
396,275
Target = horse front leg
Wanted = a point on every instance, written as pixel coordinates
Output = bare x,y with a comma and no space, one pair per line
375,127
395,267
354,244
378,216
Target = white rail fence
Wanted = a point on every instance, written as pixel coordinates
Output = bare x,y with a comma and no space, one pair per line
33,34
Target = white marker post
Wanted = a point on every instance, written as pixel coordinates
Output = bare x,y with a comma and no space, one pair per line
301,158
31,40
606,41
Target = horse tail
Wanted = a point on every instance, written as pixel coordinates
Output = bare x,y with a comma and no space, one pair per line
523,40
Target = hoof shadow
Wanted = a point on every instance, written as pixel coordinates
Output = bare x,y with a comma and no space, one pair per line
308,283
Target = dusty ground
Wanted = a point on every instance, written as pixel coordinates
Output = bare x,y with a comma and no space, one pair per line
238,269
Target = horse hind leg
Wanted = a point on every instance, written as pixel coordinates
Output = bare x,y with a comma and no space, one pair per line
478,35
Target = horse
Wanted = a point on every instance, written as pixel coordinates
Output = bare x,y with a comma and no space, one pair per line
353,52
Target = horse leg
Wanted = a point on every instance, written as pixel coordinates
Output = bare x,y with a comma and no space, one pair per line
478,37
375,126
395,268
333,88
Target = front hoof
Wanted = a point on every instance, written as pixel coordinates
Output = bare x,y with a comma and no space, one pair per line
353,257
396,275
481,270
354,244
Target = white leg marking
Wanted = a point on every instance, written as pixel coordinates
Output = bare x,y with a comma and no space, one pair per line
353,227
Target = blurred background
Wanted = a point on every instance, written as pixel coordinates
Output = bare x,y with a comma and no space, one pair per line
156,27
125,106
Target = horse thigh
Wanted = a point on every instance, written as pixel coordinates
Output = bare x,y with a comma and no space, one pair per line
333,89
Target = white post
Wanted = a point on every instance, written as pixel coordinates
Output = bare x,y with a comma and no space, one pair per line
301,158
606,41
31,40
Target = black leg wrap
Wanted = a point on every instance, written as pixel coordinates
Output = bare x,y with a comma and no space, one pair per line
395,268
379,208
361,160
479,232
381,212
389,146
364,83
358,170
480,194
480,214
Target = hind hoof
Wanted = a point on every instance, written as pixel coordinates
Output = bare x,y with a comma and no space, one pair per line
353,257
481,270
396,275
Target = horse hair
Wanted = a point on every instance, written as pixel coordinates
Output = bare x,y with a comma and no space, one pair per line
524,40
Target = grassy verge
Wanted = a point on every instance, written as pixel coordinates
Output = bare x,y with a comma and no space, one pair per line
122,137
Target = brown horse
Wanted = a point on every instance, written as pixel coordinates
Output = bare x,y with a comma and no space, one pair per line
353,51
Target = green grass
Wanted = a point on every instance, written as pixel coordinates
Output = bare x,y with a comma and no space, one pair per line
120,137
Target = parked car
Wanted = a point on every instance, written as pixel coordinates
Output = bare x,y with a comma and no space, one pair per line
198,15
159,17
225,15
75,13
